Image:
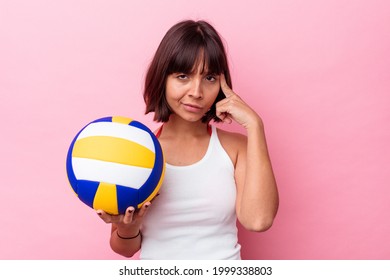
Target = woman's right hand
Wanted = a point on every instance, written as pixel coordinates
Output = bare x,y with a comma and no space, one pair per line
128,224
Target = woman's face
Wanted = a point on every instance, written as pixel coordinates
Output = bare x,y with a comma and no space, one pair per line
191,95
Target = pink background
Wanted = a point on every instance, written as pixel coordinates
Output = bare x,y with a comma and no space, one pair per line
318,72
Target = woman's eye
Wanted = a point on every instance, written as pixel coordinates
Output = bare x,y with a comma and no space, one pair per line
211,78
182,76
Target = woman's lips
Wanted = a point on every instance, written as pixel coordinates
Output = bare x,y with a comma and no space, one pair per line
192,108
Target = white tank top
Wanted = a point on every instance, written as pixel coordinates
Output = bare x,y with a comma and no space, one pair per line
194,216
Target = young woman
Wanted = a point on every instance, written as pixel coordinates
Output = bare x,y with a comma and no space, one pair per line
213,177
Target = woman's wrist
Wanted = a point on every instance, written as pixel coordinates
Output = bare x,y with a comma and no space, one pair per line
255,122
128,233
127,237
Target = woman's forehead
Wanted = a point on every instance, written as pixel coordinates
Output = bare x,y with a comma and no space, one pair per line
196,60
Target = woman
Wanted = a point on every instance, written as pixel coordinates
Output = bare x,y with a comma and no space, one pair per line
213,177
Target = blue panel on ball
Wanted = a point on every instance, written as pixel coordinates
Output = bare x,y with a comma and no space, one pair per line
106,119
69,169
126,197
86,191
69,165
140,126
151,183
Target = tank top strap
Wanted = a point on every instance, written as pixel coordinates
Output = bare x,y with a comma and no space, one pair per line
216,145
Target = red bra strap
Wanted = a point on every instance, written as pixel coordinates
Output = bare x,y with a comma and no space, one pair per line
209,131
158,133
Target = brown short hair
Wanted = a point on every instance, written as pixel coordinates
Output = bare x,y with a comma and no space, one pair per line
179,51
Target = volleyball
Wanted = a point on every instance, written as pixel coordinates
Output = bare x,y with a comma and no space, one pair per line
114,163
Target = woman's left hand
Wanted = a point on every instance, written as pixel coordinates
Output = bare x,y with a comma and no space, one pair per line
234,108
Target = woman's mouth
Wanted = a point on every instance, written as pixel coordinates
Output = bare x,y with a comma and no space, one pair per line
193,108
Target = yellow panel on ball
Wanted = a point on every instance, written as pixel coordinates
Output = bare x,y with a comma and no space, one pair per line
105,198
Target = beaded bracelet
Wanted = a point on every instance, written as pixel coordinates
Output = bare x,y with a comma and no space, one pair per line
121,237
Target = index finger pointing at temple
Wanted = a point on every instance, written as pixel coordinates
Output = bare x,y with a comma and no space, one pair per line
224,86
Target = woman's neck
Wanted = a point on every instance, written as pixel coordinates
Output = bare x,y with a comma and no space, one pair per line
180,128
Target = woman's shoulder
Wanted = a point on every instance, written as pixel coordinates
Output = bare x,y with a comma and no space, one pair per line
232,142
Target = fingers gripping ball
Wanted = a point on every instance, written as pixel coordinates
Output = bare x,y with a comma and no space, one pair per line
114,163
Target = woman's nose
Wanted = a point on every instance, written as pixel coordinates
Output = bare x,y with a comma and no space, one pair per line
196,89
